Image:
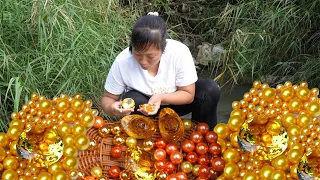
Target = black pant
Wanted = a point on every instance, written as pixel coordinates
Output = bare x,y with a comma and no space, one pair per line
203,107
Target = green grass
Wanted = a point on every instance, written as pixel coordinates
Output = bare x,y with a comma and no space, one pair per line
274,41
55,47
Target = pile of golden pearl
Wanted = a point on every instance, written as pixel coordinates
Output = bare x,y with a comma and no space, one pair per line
295,108
68,116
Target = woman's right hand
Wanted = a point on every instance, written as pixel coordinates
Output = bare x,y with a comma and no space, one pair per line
117,109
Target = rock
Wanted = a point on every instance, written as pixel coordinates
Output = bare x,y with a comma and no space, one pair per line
209,54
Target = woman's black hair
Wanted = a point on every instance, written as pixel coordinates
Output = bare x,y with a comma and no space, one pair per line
148,30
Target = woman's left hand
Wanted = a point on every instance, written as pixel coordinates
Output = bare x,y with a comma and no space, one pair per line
155,101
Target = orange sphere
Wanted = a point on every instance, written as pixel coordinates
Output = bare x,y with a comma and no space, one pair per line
99,122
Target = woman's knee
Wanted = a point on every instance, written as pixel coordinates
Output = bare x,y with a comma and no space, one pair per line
208,87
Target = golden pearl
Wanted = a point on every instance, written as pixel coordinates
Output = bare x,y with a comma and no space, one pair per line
96,172
77,105
231,155
314,109
235,122
231,170
87,119
44,176
9,174
295,105
10,162
288,120
62,105
70,163
81,142
286,94
14,132
131,142
69,116
268,94
222,130
4,139
61,175
56,167
236,105
79,129
303,120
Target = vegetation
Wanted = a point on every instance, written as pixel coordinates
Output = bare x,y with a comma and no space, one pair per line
67,46
54,47
273,41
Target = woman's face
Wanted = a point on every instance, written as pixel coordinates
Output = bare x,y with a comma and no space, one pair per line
147,58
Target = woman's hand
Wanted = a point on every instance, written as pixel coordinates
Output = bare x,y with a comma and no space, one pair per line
117,109
155,100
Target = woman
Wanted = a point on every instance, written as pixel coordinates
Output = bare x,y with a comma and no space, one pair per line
160,72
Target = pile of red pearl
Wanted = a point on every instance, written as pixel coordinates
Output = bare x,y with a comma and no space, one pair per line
199,156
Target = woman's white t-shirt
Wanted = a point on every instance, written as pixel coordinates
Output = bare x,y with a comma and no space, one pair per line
176,69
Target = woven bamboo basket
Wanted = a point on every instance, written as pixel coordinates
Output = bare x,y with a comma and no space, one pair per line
101,154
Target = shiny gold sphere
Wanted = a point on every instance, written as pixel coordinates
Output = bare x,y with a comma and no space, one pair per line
44,176
79,129
69,116
62,105
293,130
77,105
222,130
131,142
303,120
14,132
87,119
81,142
231,170
288,120
278,175
9,174
70,150
96,172
10,162
60,175
104,131
118,140
266,171
268,94
4,140
148,144
286,94
45,105
314,109
187,123
70,163
235,122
